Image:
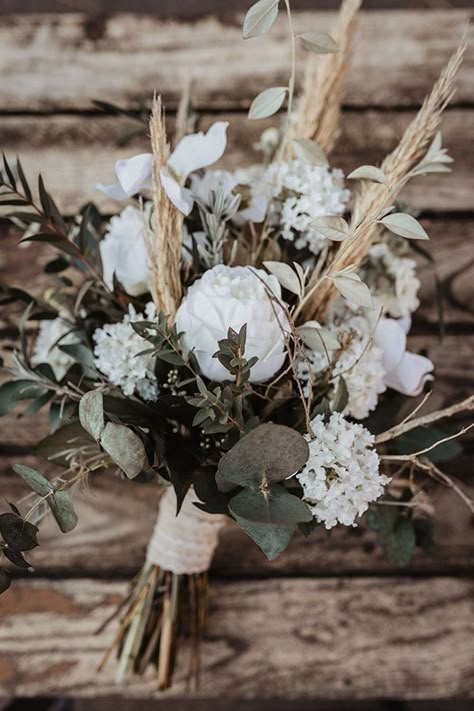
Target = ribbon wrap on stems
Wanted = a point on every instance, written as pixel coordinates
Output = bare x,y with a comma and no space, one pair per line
183,543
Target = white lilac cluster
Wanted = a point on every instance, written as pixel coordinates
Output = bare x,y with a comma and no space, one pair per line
341,477
229,297
51,334
116,351
392,280
361,363
302,192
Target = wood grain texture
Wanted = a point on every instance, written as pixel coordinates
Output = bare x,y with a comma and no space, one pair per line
193,9
73,153
414,636
71,59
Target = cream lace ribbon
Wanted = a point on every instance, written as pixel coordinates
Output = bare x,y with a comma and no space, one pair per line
183,544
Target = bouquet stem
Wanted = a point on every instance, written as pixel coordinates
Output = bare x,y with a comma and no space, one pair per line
166,606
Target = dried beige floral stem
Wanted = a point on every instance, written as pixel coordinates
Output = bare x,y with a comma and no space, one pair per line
374,198
319,108
164,245
182,116
466,405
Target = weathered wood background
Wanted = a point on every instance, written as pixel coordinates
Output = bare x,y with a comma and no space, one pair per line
329,619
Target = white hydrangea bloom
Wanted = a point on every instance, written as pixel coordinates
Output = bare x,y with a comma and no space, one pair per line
116,350
302,192
45,350
392,280
341,477
361,364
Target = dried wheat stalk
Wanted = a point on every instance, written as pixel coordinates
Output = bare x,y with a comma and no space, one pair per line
164,245
182,116
373,198
319,107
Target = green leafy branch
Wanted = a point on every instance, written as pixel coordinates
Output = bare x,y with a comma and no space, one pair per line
15,191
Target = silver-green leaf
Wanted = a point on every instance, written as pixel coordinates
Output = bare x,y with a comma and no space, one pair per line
268,102
369,172
332,227
260,18
319,42
125,448
91,413
286,276
310,151
352,288
404,225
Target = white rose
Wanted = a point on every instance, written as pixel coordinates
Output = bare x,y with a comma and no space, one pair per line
123,250
228,297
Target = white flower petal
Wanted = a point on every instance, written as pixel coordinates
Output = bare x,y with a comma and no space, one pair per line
199,150
410,375
179,196
134,174
391,338
115,191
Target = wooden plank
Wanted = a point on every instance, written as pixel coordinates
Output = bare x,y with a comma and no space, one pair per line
192,9
333,638
70,59
73,153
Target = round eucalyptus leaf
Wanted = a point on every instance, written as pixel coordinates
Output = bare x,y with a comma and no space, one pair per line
275,505
18,533
268,453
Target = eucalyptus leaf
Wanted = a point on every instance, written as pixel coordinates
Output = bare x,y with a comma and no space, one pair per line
17,559
5,580
369,172
319,42
125,448
405,226
274,505
309,151
62,509
269,452
268,102
91,413
34,479
332,227
260,18
18,533
271,538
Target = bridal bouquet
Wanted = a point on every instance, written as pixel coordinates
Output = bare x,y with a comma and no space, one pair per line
233,337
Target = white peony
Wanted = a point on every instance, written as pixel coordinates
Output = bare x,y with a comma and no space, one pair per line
341,477
123,250
53,333
229,297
